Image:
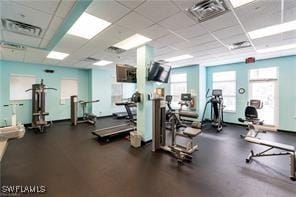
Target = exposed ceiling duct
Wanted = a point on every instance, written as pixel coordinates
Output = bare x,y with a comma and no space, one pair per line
207,9
21,28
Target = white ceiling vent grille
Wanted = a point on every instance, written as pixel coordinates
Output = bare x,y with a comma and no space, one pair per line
114,50
12,46
207,9
21,28
240,45
90,59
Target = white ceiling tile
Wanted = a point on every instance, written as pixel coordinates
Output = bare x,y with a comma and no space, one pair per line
109,10
228,32
67,62
135,22
44,43
34,55
52,28
154,32
131,3
64,8
14,55
192,31
170,39
47,6
177,22
48,61
258,9
185,4
220,22
111,35
69,43
290,14
30,16
21,39
157,10
234,39
289,35
84,52
262,21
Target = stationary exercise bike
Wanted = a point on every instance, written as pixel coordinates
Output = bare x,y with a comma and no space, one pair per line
216,102
251,117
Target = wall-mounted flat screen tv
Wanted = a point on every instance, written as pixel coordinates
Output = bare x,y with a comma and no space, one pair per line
126,73
159,72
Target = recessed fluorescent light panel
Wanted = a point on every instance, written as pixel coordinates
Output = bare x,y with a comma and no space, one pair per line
57,55
272,30
102,63
238,3
178,58
279,48
132,42
87,26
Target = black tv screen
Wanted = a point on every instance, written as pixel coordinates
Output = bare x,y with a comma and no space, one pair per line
126,73
159,72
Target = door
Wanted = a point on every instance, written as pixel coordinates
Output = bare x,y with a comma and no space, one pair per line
267,92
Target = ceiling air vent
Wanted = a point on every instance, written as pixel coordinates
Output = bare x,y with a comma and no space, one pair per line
240,45
21,28
12,46
114,50
90,59
207,9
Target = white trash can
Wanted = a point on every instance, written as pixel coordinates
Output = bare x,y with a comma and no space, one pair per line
135,138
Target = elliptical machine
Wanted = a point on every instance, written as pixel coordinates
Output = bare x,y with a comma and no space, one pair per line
216,102
38,106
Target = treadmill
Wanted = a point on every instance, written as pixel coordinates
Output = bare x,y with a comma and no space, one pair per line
123,129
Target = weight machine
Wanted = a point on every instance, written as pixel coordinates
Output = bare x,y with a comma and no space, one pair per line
87,117
183,152
38,106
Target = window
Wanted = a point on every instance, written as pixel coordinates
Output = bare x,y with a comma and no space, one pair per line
178,86
69,87
226,81
116,95
263,85
18,86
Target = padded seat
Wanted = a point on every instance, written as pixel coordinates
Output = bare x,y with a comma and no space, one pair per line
188,114
271,144
191,132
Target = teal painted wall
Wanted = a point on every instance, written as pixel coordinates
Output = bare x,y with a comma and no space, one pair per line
101,88
192,80
287,91
53,104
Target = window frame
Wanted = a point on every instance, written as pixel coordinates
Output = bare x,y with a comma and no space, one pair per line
276,91
227,81
61,88
185,82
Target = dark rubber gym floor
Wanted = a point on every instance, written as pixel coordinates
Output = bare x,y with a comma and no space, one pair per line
70,162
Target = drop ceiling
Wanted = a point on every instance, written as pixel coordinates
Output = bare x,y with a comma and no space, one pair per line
172,30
